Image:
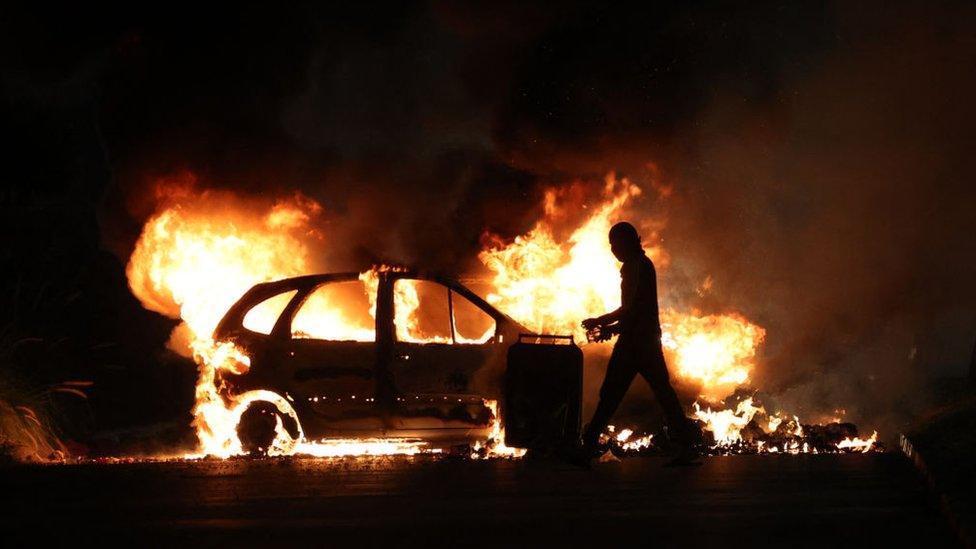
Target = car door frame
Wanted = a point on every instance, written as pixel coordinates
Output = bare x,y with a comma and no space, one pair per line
506,329
281,337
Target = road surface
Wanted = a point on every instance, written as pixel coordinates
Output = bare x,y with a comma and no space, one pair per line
758,501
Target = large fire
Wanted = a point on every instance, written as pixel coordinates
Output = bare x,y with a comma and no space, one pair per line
202,250
550,287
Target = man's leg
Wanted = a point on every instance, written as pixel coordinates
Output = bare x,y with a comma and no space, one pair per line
655,371
620,374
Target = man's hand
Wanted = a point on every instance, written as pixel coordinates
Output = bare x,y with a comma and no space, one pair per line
591,323
597,329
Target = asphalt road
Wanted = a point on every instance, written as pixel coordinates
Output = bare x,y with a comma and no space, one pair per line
757,501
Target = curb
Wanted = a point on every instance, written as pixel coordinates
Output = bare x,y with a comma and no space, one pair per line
945,507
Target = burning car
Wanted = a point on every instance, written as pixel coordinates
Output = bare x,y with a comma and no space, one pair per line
388,353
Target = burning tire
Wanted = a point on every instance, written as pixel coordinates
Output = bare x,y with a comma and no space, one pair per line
269,427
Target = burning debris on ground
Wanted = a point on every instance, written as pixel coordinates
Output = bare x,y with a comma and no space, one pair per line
747,435
771,443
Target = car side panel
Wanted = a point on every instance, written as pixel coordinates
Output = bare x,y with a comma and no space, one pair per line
336,382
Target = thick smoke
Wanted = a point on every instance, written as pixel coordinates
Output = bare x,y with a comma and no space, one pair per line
385,122
836,217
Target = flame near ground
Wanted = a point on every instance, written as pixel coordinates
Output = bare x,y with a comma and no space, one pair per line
202,250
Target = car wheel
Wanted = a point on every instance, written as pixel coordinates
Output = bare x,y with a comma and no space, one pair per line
268,427
256,430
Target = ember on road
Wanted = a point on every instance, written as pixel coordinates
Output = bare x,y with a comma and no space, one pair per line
791,501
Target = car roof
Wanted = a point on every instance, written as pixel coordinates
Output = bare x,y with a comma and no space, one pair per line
263,290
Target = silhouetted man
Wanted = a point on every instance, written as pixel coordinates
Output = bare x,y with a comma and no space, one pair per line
638,348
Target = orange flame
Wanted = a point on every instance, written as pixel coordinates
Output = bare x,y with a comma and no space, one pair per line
495,445
626,441
550,287
192,263
716,351
726,425
856,444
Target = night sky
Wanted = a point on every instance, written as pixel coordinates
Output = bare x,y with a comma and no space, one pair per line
820,156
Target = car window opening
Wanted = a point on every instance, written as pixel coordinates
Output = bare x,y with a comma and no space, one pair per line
470,322
430,313
262,317
336,311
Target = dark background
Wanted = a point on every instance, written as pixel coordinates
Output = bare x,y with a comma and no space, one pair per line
820,156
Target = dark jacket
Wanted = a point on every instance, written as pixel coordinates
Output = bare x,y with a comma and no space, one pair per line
638,299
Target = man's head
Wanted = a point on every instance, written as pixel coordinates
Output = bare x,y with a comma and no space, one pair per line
625,243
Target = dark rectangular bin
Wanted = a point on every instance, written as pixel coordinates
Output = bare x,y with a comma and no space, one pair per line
543,392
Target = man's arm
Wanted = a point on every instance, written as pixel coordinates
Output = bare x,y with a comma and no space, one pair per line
602,320
613,316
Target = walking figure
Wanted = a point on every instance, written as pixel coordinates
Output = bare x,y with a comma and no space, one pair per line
637,350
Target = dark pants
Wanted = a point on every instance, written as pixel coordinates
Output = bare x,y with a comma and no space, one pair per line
632,356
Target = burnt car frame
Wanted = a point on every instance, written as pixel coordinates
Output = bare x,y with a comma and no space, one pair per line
387,387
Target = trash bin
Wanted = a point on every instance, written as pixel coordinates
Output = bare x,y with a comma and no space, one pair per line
543,392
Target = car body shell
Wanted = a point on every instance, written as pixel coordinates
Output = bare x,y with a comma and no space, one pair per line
383,388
